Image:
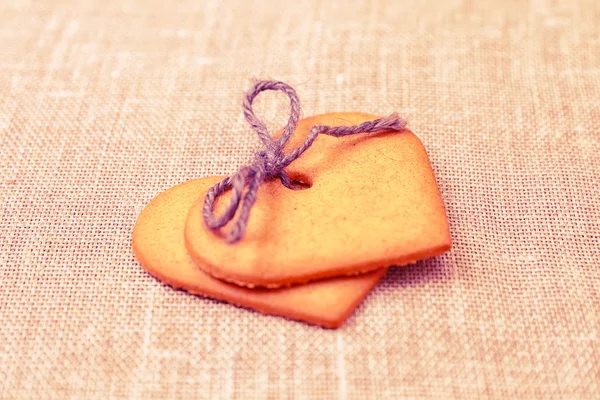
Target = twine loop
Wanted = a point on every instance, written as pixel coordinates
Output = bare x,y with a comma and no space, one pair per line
270,161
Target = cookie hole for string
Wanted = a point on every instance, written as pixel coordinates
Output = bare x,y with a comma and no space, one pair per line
300,181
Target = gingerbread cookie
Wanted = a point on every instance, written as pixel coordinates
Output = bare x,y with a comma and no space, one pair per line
158,243
371,202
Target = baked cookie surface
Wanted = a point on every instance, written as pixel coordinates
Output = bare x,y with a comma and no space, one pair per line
373,202
158,244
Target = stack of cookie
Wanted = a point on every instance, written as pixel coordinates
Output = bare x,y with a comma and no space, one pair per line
311,255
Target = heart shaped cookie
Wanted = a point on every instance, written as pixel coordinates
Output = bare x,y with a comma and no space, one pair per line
371,202
158,243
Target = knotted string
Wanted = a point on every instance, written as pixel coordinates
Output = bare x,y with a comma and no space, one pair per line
270,161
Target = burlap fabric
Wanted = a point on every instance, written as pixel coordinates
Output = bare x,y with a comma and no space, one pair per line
103,104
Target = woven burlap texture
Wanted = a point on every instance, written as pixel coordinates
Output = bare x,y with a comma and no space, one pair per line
104,104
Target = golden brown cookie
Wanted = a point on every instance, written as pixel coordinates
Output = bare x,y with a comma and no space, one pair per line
158,244
373,202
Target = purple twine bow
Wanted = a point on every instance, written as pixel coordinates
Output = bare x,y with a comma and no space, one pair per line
270,161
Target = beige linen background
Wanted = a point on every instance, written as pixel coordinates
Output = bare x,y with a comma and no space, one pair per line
103,104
